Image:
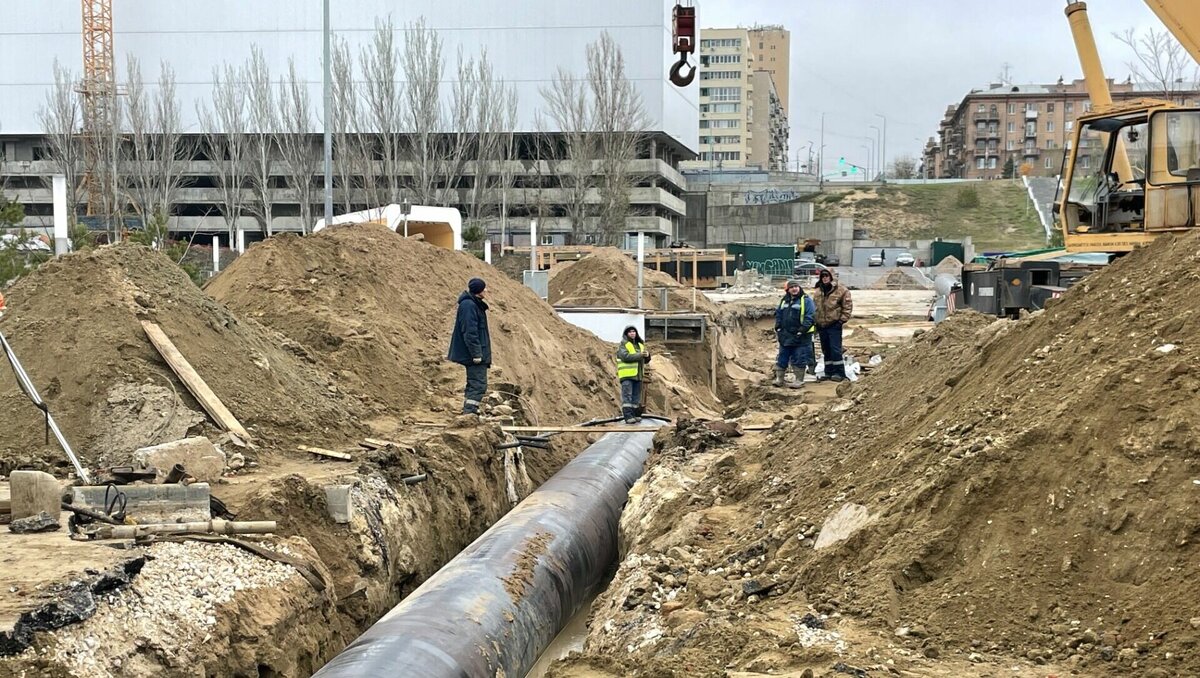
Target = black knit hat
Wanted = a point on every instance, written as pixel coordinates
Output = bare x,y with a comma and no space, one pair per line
476,285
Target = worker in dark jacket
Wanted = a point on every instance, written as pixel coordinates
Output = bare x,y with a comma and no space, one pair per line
834,309
794,326
471,344
632,357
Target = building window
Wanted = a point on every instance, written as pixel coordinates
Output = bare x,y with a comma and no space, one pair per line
721,124
1086,161
547,239
722,93
1012,127
721,59
1087,107
1049,144
725,108
1069,107
1069,125
1049,108
1010,145
721,156
1049,125
721,42
980,163
1012,109
991,163
1030,129
721,75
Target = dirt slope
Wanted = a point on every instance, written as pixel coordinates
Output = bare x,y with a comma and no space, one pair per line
1029,491
75,325
608,277
380,310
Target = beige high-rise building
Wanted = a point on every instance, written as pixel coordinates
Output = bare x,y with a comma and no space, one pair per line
743,110
772,50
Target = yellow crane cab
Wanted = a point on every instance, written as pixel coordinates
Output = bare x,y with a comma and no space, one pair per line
1146,182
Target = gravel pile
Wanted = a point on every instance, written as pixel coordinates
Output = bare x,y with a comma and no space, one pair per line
171,606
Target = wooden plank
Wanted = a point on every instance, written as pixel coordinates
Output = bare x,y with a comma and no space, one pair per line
376,443
200,390
5,499
322,452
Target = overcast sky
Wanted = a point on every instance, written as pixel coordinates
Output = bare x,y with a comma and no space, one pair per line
908,59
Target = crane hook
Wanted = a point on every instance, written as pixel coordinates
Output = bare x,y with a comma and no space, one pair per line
678,77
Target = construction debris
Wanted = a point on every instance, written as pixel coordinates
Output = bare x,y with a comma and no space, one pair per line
197,455
322,452
42,522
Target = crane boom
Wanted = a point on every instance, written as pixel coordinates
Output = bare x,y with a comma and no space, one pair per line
1182,18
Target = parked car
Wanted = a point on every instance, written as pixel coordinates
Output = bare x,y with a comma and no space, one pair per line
875,260
905,259
830,260
808,269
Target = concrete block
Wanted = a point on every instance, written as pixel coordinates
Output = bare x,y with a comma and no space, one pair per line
339,503
34,492
199,457
152,503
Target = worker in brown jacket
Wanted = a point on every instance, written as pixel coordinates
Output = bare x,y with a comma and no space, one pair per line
834,309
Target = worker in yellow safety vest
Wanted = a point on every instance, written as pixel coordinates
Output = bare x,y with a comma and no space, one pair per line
632,357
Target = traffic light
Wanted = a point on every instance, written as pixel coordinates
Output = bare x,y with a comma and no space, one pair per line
841,161
854,169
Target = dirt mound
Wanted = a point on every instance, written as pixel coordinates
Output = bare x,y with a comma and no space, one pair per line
75,325
379,309
950,265
898,279
997,489
608,277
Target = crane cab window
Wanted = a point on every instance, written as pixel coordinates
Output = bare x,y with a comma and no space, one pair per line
1105,190
1175,147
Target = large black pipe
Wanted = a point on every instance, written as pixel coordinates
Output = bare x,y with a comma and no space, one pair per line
494,608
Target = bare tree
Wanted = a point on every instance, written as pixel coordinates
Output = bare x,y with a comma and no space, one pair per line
570,149
382,117
107,148
1160,60
225,126
61,118
464,140
620,122
905,167
156,151
426,153
296,143
261,142
348,163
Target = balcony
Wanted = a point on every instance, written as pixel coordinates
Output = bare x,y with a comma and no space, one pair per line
987,117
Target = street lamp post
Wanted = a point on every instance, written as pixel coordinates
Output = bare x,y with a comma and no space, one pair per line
878,168
327,145
871,160
883,146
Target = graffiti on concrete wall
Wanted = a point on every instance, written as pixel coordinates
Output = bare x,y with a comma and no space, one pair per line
770,196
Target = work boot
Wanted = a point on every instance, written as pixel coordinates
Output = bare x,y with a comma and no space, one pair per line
779,373
797,378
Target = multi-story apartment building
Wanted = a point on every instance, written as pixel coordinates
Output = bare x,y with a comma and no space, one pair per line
1031,125
772,49
743,107
769,129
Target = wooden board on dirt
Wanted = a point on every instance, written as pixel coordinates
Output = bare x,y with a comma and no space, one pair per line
198,388
322,452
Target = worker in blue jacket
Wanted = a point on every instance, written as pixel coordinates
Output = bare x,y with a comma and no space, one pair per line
794,327
471,344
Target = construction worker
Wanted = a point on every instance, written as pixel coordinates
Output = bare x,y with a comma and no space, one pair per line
632,357
794,330
834,309
471,344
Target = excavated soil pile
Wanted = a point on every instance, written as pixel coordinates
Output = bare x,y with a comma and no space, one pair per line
75,326
995,489
898,279
608,277
379,309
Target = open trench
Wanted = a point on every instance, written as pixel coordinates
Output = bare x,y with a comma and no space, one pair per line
399,537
